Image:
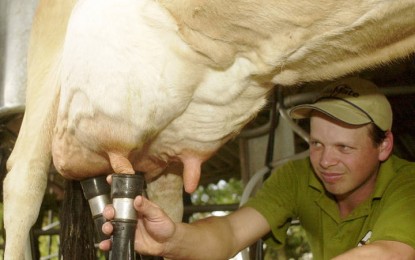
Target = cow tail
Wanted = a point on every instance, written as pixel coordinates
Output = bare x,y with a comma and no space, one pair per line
77,226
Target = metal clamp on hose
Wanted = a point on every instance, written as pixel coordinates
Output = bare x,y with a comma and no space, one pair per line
124,188
96,191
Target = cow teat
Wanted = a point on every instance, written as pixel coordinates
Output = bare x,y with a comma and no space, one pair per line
191,172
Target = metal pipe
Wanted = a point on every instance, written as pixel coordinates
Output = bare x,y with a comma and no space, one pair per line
124,188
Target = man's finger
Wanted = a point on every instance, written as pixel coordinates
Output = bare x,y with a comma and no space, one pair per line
105,245
146,207
107,228
109,179
108,212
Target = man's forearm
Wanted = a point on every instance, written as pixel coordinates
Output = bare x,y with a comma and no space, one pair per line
209,238
380,250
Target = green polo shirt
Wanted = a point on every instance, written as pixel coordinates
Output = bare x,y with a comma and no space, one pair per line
294,192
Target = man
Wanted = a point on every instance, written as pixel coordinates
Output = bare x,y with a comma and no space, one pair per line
354,199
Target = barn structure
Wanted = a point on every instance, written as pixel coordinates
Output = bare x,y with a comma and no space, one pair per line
240,158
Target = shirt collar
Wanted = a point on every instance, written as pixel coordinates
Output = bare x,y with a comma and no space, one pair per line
385,176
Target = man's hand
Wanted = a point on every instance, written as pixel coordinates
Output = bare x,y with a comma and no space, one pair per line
154,228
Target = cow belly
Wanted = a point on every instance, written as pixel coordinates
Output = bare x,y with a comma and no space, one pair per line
117,114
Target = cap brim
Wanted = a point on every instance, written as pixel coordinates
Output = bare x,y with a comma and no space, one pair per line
339,110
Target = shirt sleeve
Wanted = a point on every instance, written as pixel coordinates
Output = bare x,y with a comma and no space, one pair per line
396,219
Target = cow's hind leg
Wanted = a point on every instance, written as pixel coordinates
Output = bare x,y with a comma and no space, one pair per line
30,160
25,183
23,195
28,167
26,180
167,191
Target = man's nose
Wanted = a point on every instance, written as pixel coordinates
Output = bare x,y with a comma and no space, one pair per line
328,158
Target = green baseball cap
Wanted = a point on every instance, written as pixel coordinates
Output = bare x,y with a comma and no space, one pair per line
354,101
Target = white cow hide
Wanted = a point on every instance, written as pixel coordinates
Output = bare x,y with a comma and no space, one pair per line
126,85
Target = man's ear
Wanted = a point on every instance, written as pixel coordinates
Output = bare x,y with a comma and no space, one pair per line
386,147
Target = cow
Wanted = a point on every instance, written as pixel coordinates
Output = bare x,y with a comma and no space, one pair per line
119,86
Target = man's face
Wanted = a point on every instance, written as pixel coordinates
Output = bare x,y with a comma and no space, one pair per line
344,158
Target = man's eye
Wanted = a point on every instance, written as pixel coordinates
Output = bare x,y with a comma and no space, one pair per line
344,148
315,144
